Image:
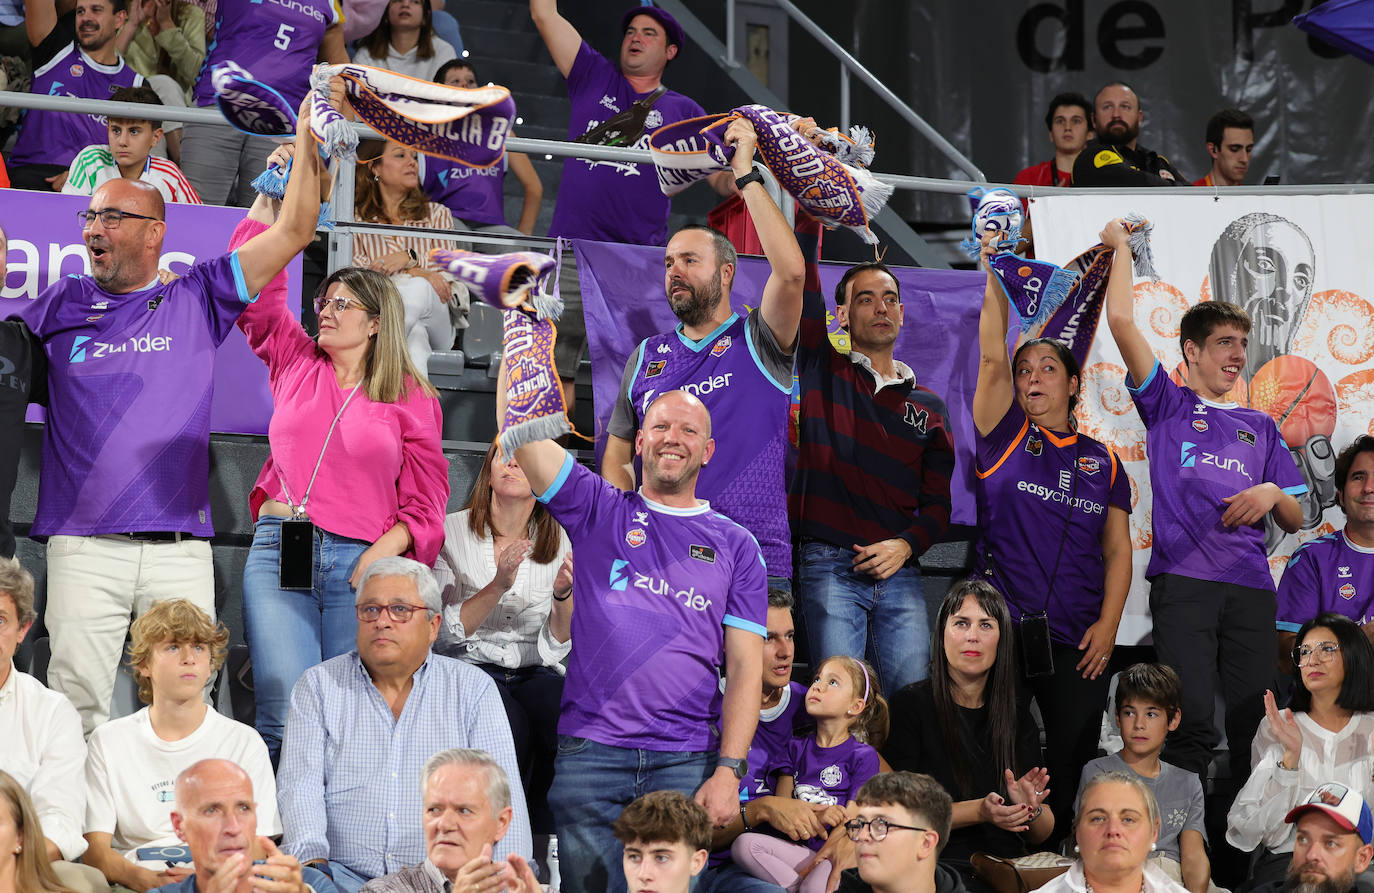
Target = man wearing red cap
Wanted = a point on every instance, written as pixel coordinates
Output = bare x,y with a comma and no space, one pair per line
1334,842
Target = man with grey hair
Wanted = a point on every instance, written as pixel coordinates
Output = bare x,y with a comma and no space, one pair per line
361,726
466,811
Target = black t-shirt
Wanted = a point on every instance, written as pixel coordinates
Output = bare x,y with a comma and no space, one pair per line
1103,164
947,880
62,33
23,380
915,744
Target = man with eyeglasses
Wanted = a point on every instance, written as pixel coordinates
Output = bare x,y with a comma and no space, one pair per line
902,824
123,499
362,726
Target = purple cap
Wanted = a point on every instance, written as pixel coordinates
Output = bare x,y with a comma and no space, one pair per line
670,26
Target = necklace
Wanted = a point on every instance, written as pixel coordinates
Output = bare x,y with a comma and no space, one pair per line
1089,887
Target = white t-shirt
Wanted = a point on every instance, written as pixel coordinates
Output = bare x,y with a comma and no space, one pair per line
409,63
131,775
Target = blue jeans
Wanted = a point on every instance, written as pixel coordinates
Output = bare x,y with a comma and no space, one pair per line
727,877
592,783
291,630
861,616
346,880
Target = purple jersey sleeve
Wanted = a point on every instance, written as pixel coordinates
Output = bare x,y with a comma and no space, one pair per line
225,293
575,497
746,607
1299,596
1156,396
1120,492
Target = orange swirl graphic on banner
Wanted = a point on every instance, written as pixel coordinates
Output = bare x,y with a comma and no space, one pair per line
1167,305
1354,393
1111,416
1338,322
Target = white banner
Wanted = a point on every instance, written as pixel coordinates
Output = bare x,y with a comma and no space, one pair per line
1299,265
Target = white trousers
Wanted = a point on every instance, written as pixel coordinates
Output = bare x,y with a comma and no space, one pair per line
428,324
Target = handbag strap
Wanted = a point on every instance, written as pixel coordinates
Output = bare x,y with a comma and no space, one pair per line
298,511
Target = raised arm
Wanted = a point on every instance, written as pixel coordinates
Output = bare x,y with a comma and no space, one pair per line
1135,350
994,392
781,304
332,47
40,17
559,35
267,254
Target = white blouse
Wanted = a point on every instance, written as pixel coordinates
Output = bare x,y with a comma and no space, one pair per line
516,633
1346,756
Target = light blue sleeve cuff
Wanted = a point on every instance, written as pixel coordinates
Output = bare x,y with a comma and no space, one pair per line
1154,370
558,481
748,626
1285,626
1296,489
239,284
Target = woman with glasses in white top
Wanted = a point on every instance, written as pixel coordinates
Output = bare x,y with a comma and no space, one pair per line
1326,734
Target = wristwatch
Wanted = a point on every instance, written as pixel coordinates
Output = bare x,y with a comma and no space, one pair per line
738,765
754,176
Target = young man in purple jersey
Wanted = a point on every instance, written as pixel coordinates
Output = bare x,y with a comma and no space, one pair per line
1335,572
1217,470
670,593
740,367
123,499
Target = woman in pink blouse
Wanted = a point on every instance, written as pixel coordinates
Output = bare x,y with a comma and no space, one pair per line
355,448
387,190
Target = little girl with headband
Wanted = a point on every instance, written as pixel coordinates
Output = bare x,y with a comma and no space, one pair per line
825,768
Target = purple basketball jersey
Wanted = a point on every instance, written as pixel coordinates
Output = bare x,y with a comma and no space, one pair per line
656,587
1329,573
126,447
827,776
277,40
471,193
56,137
1201,452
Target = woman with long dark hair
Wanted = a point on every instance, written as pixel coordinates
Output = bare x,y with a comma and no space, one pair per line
404,41
1326,734
1052,507
506,575
963,726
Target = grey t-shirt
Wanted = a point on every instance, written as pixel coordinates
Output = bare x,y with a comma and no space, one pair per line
1178,792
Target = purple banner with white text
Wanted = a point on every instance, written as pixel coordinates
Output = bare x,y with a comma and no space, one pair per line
624,303
45,244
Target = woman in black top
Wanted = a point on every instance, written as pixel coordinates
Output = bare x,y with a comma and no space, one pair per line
964,726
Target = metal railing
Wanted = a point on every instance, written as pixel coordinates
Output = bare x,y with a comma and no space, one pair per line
849,66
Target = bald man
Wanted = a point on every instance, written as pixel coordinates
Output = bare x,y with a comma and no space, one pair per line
669,594
1115,157
216,816
124,493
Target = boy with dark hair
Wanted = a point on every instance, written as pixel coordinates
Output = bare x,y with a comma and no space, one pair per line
900,826
667,837
1217,471
1230,141
1068,118
128,154
1148,698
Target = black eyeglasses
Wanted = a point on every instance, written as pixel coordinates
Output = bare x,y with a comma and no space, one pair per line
110,218
1320,652
877,828
399,613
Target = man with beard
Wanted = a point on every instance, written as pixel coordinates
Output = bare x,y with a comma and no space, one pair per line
739,367
1114,158
871,489
73,55
1333,844
670,594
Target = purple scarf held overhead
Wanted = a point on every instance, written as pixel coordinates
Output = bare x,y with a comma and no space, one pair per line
836,193
251,106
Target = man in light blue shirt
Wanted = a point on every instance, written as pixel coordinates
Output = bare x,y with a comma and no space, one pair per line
362,725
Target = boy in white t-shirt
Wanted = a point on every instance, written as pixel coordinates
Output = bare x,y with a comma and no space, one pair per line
128,154
133,761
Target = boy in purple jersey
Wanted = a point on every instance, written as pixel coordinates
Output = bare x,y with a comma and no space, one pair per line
1216,471
73,55
1335,572
124,495
669,594
741,368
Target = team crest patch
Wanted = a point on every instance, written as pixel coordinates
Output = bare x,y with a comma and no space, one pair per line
77,71
831,776
655,368
94,318
704,553
1106,157
1035,446
1347,592
1199,425
721,346
636,537
1246,436
1089,464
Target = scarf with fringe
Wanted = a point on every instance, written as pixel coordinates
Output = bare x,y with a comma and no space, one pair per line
830,185
519,284
249,105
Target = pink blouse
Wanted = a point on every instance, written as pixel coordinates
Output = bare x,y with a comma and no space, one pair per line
384,463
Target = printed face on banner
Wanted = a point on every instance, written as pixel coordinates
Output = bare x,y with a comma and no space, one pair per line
1295,265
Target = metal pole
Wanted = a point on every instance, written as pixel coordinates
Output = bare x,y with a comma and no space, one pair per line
844,98
730,60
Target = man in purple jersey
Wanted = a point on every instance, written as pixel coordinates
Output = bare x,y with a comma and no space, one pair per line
73,55
741,368
1217,470
669,594
124,495
1335,572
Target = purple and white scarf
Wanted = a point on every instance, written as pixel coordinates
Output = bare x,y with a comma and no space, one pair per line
249,105
825,186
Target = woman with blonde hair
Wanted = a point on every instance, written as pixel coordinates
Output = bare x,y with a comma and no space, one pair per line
24,865
355,473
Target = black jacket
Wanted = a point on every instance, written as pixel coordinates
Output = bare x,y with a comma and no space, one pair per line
1102,164
947,880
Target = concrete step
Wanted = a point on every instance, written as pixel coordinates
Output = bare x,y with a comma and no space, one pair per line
513,42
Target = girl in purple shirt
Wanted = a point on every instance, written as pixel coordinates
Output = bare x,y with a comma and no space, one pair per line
825,768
